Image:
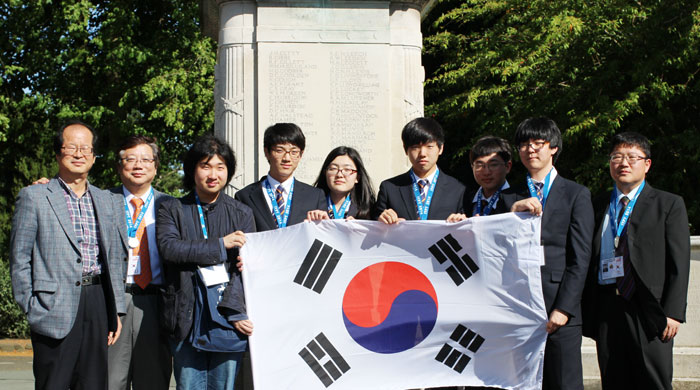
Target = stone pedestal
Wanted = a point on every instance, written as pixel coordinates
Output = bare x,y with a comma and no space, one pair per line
347,72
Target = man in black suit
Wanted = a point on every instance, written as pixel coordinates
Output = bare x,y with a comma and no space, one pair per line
637,286
424,192
567,230
278,200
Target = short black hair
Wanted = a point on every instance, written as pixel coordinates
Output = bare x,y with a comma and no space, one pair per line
631,138
421,131
489,144
58,137
136,140
539,128
204,148
282,133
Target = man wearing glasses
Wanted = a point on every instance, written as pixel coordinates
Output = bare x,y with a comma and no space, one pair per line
141,358
65,267
567,231
637,286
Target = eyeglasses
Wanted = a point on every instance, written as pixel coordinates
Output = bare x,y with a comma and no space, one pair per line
536,145
333,170
491,165
631,158
280,152
71,149
133,160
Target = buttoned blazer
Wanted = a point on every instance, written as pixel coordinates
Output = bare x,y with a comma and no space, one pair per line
397,194
118,192
304,199
567,234
658,240
45,258
505,201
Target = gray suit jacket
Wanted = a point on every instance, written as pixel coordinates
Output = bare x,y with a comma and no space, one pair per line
158,199
44,256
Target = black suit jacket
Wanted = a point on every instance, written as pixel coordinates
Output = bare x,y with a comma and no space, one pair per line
397,194
158,199
567,233
505,201
658,239
304,199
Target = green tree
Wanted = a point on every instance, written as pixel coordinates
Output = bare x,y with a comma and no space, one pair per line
124,66
597,68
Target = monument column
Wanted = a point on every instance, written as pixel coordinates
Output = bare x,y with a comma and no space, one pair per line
347,72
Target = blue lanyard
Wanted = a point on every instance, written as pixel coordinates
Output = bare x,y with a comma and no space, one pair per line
613,212
281,220
133,226
492,202
545,188
424,207
201,217
339,214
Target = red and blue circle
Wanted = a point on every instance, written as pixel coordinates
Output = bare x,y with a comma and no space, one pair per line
389,307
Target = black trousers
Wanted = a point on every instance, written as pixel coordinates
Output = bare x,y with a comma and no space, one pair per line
562,359
628,358
78,361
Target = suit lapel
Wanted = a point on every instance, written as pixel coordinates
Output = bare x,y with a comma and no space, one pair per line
298,200
556,194
122,226
643,202
99,203
406,192
58,204
260,205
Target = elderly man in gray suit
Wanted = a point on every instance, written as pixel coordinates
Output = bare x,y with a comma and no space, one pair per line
65,268
141,357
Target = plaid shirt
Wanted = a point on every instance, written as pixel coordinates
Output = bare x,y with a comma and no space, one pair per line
82,215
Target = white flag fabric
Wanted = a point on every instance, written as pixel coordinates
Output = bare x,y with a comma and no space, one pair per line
363,305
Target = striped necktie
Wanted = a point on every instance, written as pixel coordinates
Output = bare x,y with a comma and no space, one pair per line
538,187
279,197
423,187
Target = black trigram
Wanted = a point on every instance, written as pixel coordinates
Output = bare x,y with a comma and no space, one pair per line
462,268
455,359
324,360
318,266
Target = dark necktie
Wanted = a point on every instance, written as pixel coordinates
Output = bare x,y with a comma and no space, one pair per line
538,187
279,197
422,186
625,284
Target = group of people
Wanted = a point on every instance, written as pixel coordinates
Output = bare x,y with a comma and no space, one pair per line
160,278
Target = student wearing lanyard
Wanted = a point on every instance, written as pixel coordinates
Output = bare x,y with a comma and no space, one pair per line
491,161
347,186
424,192
637,286
279,200
199,236
567,230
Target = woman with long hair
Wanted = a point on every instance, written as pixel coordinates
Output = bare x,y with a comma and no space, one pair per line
348,188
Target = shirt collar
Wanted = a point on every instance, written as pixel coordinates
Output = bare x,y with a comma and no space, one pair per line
505,186
551,177
70,191
429,178
285,184
128,195
629,196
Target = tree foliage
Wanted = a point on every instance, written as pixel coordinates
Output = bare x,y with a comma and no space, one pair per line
596,68
124,66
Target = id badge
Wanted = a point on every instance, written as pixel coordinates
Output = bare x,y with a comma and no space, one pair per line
612,268
134,267
213,274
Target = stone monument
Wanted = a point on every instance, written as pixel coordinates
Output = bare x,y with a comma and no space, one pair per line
347,72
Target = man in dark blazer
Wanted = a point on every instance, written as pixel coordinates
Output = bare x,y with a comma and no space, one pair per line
65,267
567,230
141,358
278,199
424,192
636,292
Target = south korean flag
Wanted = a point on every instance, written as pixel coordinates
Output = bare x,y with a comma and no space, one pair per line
362,305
